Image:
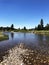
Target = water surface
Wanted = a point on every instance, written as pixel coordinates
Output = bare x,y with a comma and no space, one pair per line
29,39
33,41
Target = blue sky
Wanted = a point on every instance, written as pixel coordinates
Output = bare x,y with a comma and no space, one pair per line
23,12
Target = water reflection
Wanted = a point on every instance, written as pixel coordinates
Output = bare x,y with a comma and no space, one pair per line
12,36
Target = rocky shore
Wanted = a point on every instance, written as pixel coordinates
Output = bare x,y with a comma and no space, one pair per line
20,55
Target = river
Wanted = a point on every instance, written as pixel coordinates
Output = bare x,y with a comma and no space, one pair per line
31,40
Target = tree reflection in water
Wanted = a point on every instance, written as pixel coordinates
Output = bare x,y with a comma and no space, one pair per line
12,36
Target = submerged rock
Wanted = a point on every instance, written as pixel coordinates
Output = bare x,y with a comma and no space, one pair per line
14,57
20,55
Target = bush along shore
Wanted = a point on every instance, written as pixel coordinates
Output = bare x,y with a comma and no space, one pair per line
20,55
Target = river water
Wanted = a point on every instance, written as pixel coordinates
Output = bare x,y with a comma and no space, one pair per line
29,39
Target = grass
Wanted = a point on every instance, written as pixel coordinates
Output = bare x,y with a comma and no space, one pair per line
21,31
43,32
3,37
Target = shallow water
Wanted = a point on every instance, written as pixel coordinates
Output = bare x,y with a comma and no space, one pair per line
29,39
33,41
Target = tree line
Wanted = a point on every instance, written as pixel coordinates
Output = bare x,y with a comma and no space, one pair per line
11,28
38,27
41,26
7,28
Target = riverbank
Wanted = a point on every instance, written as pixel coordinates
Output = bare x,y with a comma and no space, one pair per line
20,55
3,37
43,32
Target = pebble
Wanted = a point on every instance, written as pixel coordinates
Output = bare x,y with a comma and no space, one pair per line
41,61
45,61
25,59
34,60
